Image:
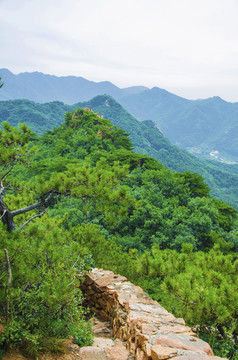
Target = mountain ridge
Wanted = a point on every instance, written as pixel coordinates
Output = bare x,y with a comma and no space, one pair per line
208,128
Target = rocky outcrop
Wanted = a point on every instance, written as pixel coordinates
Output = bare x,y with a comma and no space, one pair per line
149,331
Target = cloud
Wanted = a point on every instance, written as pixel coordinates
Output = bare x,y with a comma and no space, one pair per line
184,44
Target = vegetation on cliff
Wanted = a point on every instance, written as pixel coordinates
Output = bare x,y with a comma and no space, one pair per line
96,202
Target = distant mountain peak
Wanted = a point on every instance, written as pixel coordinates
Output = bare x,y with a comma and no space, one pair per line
217,98
5,70
135,89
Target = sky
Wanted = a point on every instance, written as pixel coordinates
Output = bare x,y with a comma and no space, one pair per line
187,47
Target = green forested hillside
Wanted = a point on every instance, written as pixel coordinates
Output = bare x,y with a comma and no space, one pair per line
146,139
201,126
79,197
39,117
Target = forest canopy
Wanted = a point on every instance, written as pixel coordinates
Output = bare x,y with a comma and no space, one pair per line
78,197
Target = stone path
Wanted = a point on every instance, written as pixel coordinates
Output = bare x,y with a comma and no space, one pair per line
104,347
149,331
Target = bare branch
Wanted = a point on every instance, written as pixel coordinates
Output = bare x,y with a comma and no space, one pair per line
26,209
5,175
3,205
32,207
183,300
2,189
75,262
4,212
32,218
8,283
14,189
71,282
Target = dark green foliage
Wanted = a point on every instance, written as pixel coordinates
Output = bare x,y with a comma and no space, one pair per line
224,346
39,117
13,145
147,139
195,183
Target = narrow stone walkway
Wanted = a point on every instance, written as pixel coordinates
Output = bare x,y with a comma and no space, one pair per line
104,347
149,330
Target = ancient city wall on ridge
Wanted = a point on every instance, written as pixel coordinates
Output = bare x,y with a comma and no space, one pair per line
149,330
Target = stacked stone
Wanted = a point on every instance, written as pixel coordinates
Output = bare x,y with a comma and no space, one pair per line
149,330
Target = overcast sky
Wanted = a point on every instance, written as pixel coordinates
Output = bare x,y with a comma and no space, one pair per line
188,47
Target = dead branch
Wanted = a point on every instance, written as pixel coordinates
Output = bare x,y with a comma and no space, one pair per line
32,218
8,283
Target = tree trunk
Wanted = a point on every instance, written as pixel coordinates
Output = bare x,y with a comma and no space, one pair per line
9,221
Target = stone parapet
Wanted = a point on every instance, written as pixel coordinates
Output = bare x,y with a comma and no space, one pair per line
149,330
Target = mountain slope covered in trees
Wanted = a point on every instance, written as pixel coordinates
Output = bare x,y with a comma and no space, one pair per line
201,126
145,136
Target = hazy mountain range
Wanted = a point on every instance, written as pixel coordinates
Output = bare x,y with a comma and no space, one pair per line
208,128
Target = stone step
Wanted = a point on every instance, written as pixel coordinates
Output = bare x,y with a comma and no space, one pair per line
101,328
105,349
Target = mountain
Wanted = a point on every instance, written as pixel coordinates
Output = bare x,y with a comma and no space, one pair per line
135,89
145,136
207,128
45,88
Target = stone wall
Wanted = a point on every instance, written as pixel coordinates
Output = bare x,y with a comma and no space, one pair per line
150,331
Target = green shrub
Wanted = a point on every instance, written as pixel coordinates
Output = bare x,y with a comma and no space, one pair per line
44,299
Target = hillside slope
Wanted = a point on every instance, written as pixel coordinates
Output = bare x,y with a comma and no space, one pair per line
146,138
200,126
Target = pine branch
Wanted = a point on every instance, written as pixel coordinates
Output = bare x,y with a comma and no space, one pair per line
32,207
32,218
5,175
183,300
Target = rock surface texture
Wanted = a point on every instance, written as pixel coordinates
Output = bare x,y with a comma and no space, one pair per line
149,331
